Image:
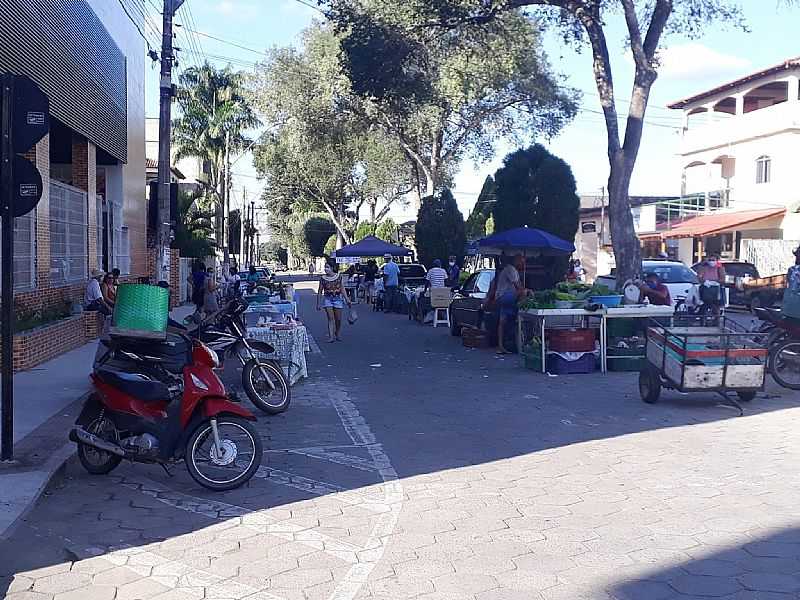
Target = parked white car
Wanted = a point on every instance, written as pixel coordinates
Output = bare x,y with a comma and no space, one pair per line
678,278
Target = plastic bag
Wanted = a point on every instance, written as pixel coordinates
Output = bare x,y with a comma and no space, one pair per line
352,316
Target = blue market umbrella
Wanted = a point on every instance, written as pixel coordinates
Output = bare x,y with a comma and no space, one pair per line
371,246
526,241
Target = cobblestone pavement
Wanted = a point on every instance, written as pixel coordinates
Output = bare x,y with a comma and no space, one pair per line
444,474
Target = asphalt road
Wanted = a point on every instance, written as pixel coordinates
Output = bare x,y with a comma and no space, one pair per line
411,467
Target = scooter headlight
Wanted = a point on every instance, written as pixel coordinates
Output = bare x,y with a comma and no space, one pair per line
199,382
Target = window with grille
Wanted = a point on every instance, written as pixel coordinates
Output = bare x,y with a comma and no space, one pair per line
100,231
124,256
763,169
68,234
25,251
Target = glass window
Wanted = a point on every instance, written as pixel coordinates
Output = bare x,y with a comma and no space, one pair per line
484,281
763,169
412,271
671,273
469,284
68,231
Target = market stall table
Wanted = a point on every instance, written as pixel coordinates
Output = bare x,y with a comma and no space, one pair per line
542,316
291,345
634,311
604,313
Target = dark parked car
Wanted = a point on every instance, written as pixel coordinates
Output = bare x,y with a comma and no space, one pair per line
465,308
412,275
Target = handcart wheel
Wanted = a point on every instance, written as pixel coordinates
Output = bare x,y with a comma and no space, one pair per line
746,396
649,385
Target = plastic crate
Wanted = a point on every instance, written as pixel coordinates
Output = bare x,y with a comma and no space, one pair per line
561,366
627,359
474,338
571,340
140,311
623,328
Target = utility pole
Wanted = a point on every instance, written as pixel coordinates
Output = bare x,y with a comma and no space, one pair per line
226,192
164,133
253,260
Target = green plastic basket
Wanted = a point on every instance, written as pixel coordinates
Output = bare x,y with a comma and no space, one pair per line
141,311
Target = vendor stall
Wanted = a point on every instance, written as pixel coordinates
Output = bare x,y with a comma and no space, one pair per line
290,343
579,308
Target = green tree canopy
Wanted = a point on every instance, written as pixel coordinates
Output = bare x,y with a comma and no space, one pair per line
439,232
536,189
320,155
639,26
193,226
446,95
476,222
316,232
212,107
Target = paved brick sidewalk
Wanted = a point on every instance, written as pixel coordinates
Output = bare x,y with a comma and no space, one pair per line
536,489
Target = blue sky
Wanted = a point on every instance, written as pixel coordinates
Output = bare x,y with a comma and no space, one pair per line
689,66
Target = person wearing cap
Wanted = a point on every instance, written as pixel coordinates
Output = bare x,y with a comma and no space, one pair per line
793,274
655,291
93,297
391,281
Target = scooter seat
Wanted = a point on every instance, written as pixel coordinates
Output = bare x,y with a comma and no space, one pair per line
138,386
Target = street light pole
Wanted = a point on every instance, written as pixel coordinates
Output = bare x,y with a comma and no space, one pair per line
164,132
226,192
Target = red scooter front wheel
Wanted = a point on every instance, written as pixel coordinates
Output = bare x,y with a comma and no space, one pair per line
226,460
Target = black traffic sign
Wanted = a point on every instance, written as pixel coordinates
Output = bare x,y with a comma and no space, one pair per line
27,186
31,120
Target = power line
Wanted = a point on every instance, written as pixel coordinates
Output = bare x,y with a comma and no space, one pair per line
230,43
135,24
309,5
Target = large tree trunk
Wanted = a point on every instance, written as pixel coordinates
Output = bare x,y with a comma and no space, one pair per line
627,250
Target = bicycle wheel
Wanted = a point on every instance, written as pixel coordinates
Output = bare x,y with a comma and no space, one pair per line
784,364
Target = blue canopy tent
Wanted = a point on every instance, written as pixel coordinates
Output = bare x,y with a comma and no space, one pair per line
526,241
371,246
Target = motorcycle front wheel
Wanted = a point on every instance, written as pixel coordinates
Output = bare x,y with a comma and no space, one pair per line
266,386
238,460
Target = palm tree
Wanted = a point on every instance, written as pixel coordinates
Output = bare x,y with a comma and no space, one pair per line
194,226
213,105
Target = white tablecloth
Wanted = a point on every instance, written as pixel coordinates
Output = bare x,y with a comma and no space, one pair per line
290,346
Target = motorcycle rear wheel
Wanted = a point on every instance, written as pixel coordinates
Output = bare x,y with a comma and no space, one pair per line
784,364
239,440
272,399
94,460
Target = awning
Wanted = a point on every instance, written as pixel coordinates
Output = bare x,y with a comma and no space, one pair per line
714,223
371,246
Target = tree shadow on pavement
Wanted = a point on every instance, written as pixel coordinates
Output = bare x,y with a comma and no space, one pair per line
752,567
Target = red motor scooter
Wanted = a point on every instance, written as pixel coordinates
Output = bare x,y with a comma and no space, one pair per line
164,419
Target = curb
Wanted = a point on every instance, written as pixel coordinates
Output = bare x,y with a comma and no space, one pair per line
19,510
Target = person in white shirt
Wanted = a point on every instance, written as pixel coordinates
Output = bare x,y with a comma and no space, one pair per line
437,276
93,297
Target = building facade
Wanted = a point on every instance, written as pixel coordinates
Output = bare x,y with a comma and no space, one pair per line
738,153
88,57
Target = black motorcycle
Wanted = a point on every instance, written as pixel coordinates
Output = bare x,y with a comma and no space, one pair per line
263,379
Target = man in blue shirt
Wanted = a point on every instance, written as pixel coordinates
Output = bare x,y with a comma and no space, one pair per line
391,281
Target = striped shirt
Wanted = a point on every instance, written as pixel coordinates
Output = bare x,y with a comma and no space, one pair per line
437,277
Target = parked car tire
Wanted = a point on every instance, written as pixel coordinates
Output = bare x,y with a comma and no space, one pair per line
455,328
756,302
